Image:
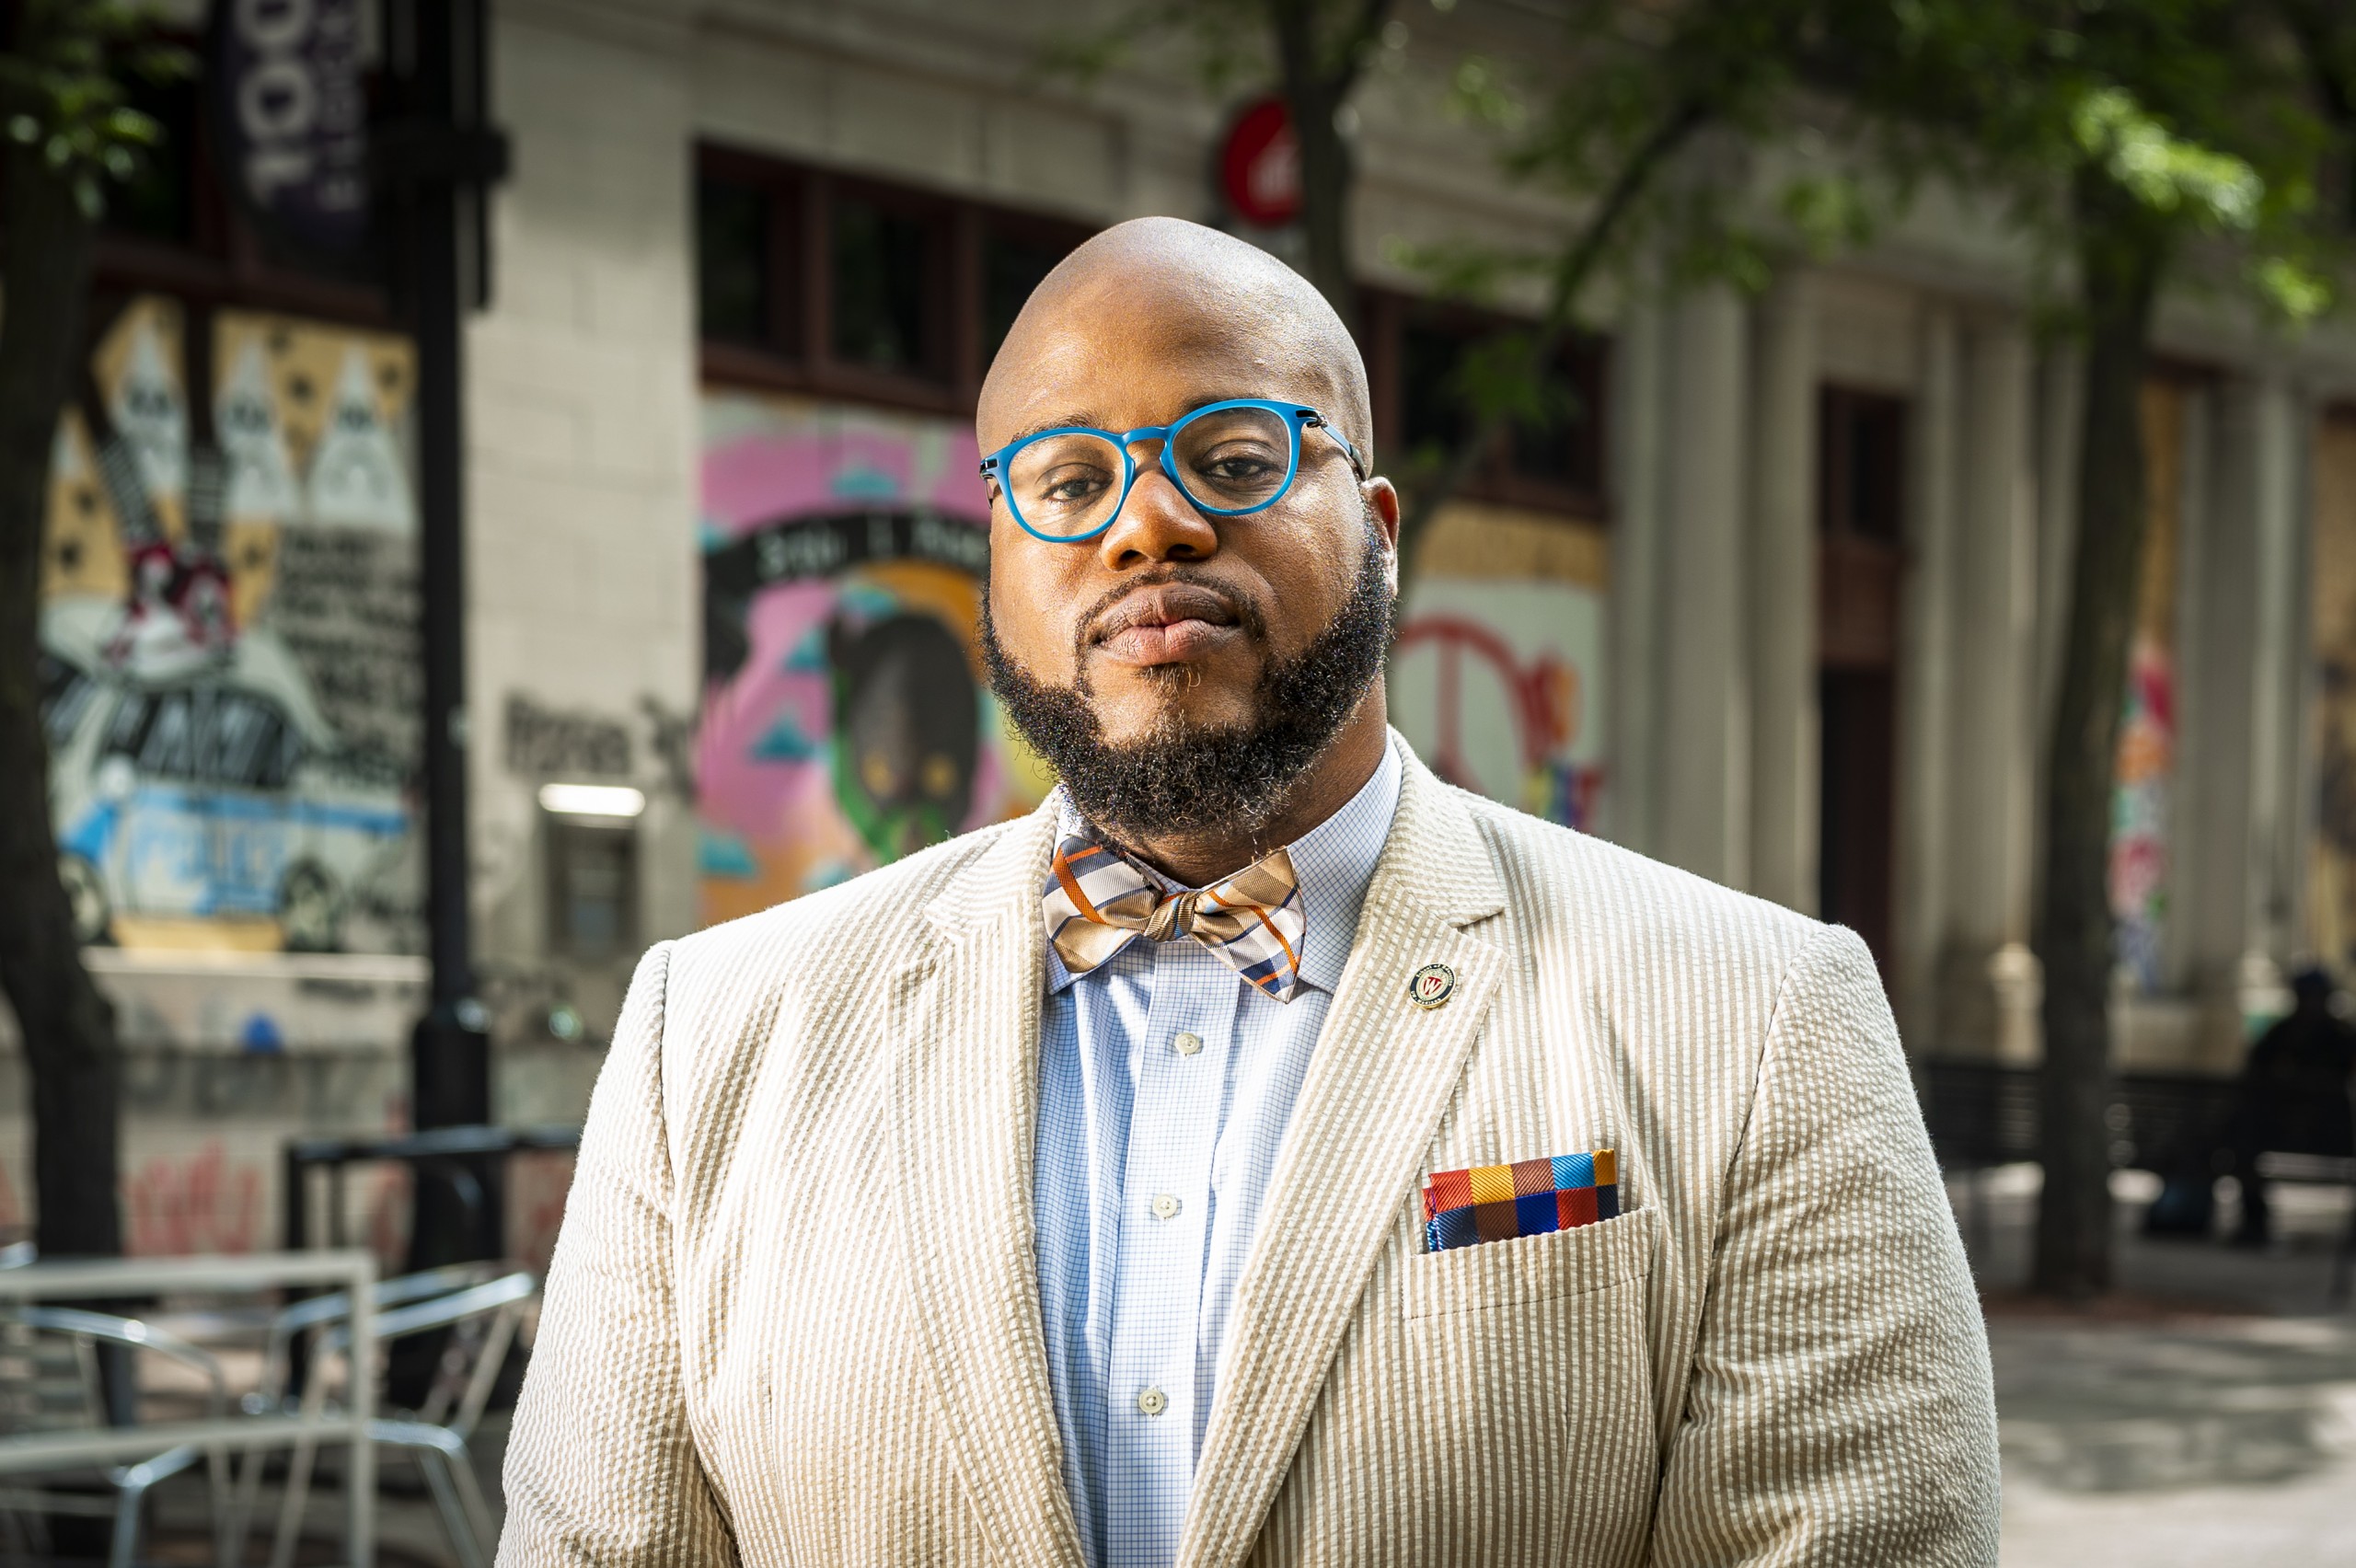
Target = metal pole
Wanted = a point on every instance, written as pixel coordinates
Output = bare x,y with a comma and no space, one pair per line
452,1062
440,157
360,1477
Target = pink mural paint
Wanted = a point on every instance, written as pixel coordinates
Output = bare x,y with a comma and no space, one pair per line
2139,841
845,720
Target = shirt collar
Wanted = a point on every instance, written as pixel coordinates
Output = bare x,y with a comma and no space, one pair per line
1334,863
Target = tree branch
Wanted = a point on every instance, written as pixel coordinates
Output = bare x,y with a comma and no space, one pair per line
1569,281
1349,61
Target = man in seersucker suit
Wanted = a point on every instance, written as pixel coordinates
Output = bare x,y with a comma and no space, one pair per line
1263,1151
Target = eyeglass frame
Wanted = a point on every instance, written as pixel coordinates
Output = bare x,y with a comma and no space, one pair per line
1297,417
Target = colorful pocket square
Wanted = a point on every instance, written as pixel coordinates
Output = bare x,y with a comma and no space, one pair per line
1530,1197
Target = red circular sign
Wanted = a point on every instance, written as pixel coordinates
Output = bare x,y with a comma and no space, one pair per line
1259,166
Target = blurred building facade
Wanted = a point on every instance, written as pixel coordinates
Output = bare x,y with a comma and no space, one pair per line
1775,595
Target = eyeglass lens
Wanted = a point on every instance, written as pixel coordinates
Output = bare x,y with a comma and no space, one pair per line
1228,461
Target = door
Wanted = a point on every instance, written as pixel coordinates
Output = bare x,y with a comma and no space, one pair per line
1861,468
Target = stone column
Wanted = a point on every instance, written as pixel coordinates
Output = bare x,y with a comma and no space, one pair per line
2238,895
2195,645
2278,504
1924,676
1630,813
1705,721
1781,594
1991,757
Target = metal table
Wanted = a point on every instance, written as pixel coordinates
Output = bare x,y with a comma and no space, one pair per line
103,1279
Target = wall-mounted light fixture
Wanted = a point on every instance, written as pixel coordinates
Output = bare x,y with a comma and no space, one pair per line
591,844
592,800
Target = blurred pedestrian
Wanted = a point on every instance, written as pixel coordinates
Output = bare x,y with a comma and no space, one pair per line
2294,1095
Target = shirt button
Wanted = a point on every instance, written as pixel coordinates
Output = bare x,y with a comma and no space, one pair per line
1153,1401
1188,1043
1164,1206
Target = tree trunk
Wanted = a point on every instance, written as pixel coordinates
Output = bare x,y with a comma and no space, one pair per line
1315,87
68,1027
2122,257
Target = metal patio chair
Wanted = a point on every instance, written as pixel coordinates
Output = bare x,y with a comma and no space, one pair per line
54,1377
482,1316
291,1342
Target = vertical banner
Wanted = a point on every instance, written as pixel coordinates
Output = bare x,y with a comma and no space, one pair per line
289,115
2139,833
230,633
1497,680
845,719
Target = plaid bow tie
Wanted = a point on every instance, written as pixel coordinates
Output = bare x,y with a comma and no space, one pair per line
1096,904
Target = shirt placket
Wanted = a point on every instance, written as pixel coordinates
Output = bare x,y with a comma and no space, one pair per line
1173,1131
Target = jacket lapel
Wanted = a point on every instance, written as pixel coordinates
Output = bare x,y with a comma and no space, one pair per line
1381,1077
965,1033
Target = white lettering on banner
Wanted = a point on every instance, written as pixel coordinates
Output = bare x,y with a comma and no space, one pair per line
270,25
291,81
277,100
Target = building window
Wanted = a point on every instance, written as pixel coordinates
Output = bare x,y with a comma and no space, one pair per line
888,262
1427,361
1014,262
733,262
811,282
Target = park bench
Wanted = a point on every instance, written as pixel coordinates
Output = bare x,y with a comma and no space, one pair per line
2178,1126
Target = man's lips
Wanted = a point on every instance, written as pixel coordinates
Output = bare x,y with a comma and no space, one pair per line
1167,625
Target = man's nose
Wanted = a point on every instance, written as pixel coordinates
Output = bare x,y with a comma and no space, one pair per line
1157,523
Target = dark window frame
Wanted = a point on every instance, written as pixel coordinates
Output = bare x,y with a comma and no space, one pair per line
798,354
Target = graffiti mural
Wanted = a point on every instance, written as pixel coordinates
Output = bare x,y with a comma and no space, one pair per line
1497,676
200,1204
2331,870
230,637
2139,829
845,720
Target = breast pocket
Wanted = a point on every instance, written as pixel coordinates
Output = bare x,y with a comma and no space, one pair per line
1534,1380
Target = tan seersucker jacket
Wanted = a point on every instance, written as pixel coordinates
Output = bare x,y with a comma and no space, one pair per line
794,1319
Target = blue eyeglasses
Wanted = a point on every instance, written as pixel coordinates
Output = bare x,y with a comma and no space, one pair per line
1231,460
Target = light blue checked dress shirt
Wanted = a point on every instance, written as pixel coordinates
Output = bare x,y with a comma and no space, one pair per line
1165,1085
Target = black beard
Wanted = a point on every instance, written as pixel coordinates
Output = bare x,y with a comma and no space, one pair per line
1186,778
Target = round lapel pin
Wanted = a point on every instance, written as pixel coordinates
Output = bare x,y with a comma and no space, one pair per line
1431,985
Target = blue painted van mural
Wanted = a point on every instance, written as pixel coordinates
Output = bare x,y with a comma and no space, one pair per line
229,638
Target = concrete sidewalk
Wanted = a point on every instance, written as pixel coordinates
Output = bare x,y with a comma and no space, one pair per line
2205,1417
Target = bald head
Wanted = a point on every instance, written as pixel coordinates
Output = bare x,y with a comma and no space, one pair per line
1203,680
1169,288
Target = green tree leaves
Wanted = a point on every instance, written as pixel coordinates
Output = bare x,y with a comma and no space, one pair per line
66,88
